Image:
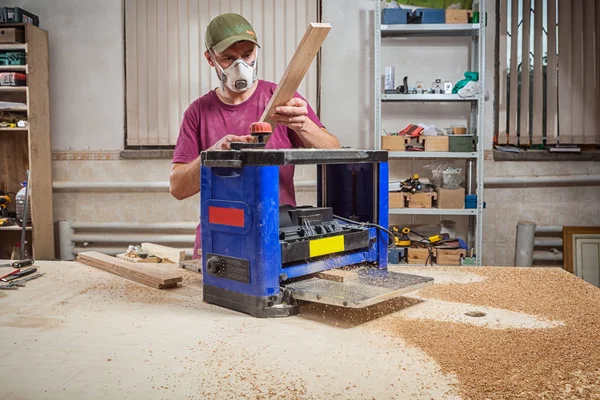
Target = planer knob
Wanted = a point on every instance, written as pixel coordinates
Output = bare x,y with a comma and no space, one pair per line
215,265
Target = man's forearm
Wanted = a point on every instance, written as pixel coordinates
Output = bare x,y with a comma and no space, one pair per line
313,136
185,179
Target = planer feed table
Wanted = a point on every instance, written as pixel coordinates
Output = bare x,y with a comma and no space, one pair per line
260,257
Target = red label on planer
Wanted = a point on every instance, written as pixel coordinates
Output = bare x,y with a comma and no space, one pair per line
226,216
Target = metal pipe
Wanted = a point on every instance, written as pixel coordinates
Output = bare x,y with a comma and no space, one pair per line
65,232
130,238
548,242
548,255
525,240
162,186
543,179
133,226
549,229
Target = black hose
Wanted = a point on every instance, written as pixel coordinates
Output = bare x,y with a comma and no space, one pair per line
390,234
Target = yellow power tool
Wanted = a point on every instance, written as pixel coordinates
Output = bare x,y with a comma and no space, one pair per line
401,238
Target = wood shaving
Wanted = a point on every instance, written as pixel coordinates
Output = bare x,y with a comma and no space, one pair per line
556,363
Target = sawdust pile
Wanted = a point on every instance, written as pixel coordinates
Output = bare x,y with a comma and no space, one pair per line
557,363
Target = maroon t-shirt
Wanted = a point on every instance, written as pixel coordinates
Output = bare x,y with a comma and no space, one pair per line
208,119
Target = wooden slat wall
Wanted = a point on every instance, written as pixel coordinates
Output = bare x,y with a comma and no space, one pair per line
552,77
572,99
502,73
165,64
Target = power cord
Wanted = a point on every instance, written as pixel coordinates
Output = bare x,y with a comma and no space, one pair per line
390,234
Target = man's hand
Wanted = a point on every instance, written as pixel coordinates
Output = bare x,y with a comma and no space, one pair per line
225,142
292,114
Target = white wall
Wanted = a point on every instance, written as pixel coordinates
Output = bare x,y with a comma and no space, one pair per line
86,71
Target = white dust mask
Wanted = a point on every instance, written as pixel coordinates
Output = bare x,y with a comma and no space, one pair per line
239,76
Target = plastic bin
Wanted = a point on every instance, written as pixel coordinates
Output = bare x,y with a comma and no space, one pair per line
391,16
429,16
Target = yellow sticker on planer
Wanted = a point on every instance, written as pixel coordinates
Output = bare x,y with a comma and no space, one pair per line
328,245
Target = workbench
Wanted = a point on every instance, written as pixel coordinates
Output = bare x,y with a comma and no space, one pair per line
79,332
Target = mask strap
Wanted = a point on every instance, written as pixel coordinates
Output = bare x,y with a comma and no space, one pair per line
223,78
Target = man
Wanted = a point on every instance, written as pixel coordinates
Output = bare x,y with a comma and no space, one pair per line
224,115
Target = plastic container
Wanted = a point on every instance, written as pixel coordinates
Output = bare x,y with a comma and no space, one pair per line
20,201
390,83
392,16
429,16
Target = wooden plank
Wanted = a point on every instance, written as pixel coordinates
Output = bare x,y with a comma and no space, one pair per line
514,82
338,275
305,53
131,39
551,78
590,135
525,84
577,72
169,254
564,73
142,274
40,157
503,71
537,111
147,260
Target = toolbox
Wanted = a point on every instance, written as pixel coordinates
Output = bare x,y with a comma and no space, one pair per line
429,16
18,15
13,79
462,143
13,58
11,35
390,16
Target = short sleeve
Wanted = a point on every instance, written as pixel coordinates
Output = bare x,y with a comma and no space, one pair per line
187,148
294,138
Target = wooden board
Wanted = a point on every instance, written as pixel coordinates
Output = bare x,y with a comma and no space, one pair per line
305,53
514,82
168,254
525,81
147,260
552,73
142,274
537,111
338,275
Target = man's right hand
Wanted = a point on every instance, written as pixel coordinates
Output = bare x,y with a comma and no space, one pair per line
225,142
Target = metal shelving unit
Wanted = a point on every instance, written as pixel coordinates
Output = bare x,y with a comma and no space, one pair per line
477,63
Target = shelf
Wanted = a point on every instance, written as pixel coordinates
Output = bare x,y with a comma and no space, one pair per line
430,154
426,97
13,129
15,68
433,211
13,46
13,88
13,228
430,30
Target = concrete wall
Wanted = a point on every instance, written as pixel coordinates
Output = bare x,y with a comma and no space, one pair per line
87,86
87,91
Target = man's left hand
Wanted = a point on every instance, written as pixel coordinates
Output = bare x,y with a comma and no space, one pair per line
293,114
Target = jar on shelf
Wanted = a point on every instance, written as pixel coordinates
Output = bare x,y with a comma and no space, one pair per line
20,202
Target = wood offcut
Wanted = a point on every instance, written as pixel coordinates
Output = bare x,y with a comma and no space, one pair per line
142,274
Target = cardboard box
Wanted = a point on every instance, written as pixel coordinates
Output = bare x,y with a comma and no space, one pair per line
421,199
450,198
397,199
11,35
393,143
435,143
449,256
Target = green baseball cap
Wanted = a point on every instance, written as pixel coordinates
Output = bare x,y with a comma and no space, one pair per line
226,29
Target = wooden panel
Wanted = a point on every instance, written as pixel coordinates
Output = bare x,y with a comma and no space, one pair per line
131,72
174,111
537,111
525,81
39,144
139,273
577,72
142,72
162,81
153,77
514,82
552,77
590,135
564,73
302,59
502,73
171,254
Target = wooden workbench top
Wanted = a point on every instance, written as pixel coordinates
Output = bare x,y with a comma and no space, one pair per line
79,332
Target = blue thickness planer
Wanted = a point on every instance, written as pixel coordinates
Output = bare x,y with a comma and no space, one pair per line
262,258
